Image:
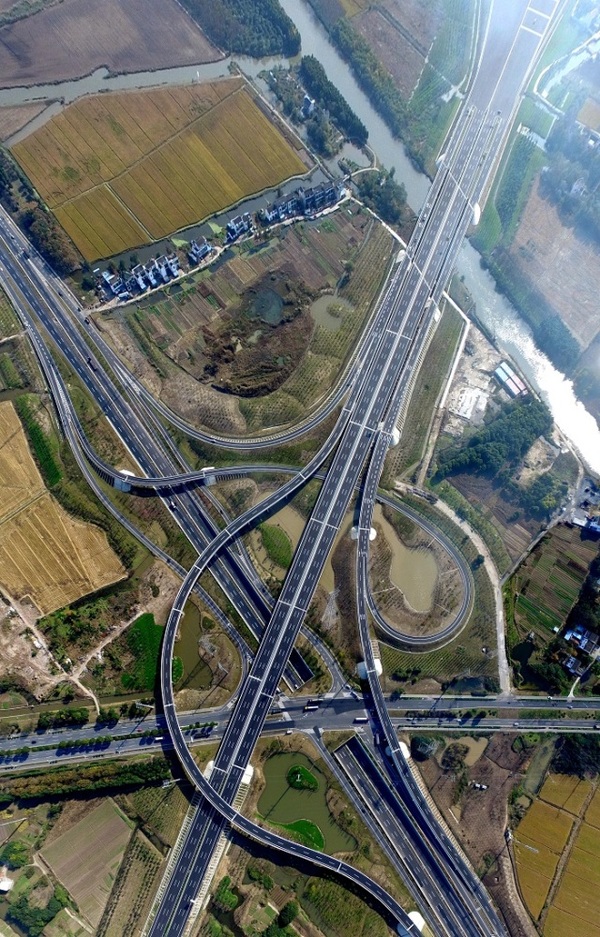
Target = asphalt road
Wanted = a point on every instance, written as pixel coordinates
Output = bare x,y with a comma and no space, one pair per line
404,315
383,381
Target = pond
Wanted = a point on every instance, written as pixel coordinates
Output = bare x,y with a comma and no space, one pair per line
328,310
197,675
283,805
414,572
267,305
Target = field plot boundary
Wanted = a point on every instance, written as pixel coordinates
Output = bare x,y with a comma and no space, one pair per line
125,168
87,856
561,559
569,890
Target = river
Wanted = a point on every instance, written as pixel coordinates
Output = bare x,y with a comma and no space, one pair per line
494,311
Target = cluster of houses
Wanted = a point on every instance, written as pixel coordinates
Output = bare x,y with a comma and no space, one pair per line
586,644
304,202
156,272
586,514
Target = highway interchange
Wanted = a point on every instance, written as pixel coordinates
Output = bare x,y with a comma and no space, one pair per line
370,403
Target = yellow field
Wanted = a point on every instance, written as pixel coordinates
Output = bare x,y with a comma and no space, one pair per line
578,897
545,825
87,856
590,114
592,815
20,480
588,840
539,842
536,868
559,924
121,169
565,791
45,554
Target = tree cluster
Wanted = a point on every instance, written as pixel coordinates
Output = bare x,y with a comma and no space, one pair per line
63,717
374,79
587,610
14,854
500,443
381,193
50,240
106,776
247,27
33,920
578,755
316,82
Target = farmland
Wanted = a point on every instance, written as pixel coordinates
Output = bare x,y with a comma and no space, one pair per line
13,119
547,584
539,842
87,856
122,169
283,364
45,554
75,37
562,898
548,254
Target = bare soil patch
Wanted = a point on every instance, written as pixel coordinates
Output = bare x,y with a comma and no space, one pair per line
516,532
76,37
480,818
552,258
22,661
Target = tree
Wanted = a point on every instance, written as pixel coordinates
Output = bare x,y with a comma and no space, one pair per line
423,747
14,854
288,913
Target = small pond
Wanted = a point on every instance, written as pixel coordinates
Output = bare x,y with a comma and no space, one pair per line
197,675
282,805
267,305
328,311
414,572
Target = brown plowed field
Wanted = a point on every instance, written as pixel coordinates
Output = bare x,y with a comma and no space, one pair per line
87,857
76,37
13,119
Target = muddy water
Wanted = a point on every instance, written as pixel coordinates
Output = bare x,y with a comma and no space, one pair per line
196,674
414,572
321,311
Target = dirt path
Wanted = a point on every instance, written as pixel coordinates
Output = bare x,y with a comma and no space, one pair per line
114,634
57,674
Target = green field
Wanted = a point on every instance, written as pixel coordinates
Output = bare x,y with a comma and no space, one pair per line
277,544
430,381
547,585
143,640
